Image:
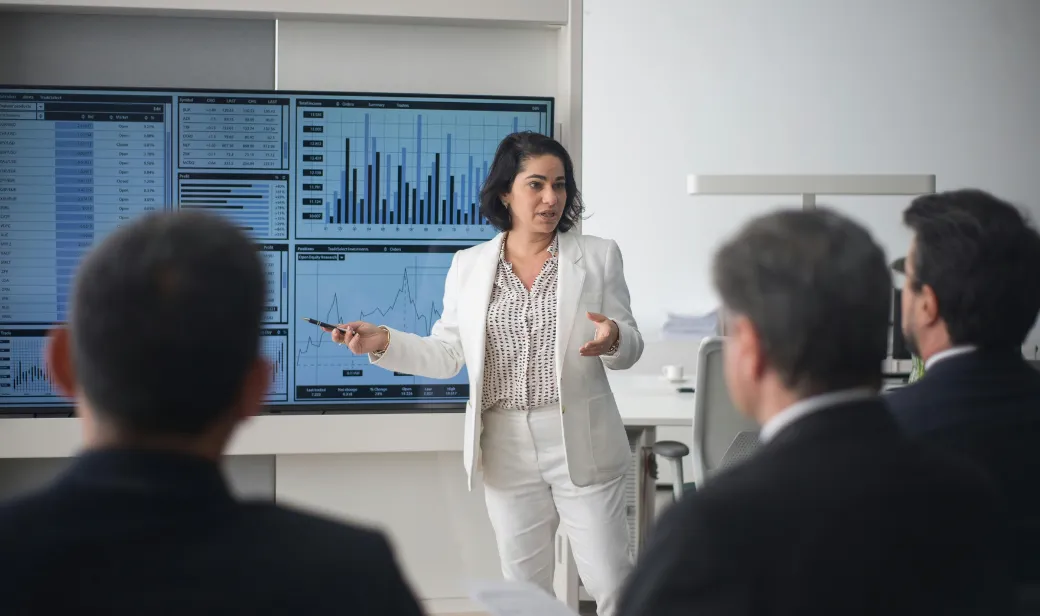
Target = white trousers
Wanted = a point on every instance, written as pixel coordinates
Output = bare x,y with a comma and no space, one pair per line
529,493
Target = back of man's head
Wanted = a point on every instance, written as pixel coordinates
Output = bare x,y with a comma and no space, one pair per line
813,293
164,325
981,258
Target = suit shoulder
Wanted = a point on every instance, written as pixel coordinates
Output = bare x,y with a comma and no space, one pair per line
475,249
896,399
28,508
910,404
900,396
466,257
957,478
317,531
483,247
599,249
717,519
724,500
596,243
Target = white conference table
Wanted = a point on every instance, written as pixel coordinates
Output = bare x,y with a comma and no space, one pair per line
652,401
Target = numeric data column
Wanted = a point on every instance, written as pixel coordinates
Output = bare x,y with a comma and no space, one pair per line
73,203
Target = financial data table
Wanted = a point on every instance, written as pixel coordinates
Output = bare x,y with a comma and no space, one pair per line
71,171
234,133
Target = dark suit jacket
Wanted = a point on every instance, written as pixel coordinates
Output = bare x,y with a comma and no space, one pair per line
149,533
838,514
986,405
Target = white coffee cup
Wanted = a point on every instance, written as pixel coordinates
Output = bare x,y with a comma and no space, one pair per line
672,373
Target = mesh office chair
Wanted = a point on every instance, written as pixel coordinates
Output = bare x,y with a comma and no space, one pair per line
722,436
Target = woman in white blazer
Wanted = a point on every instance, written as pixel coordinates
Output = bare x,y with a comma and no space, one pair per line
537,314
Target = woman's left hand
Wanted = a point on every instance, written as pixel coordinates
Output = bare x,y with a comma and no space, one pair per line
606,334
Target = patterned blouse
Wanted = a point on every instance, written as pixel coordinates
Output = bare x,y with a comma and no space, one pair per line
520,344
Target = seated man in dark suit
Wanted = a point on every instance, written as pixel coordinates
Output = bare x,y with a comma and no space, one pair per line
837,512
162,357
971,294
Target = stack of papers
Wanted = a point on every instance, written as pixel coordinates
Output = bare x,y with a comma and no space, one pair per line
505,598
692,326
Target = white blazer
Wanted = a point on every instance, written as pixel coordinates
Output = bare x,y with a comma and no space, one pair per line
590,279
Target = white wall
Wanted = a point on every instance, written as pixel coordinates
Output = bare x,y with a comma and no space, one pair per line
417,58
133,51
950,87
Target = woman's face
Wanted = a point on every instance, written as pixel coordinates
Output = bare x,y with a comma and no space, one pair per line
538,195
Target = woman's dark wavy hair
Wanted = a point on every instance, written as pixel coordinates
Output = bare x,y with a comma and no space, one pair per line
510,157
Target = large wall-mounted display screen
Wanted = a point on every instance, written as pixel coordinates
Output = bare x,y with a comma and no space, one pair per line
357,203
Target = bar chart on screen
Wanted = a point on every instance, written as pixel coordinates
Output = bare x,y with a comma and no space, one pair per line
274,344
23,371
402,170
257,203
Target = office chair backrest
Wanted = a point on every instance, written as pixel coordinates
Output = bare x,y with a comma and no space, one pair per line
743,447
718,427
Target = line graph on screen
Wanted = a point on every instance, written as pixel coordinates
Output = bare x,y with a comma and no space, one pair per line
402,290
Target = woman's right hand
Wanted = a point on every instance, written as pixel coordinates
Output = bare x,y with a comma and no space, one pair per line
361,337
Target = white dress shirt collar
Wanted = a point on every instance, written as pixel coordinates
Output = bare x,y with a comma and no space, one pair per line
950,352
806,406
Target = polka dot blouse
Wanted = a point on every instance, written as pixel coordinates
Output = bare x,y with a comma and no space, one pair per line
520,343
